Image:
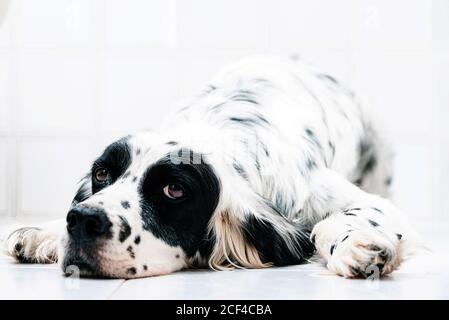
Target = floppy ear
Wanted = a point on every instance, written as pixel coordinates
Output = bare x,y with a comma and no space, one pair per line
84,190
256,235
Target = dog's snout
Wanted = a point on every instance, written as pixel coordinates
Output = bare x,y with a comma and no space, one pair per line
85,223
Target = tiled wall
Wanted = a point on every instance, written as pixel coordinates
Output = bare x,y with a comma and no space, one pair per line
75,74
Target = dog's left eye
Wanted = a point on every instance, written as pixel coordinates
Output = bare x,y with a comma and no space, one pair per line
101,174
174,191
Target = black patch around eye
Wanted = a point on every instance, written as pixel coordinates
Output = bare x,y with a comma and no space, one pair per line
84,191
125,204
116,159
179,223
125,229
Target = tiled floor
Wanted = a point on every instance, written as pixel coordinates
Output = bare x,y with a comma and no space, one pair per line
423,277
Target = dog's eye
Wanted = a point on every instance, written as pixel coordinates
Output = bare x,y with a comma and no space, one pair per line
101,174
174,191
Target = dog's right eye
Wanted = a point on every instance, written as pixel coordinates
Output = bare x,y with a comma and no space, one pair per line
101,175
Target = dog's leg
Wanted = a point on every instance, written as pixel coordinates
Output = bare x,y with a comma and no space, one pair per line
360,234
33,244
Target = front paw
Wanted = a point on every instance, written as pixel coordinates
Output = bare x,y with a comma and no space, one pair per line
31,245
365,253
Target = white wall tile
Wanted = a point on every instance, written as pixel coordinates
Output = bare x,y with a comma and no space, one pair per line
223,24
137,79
440,24
399,24
7,12
56,22
140,22
4,74
413,186
398,87
441,80
56,92
3,177
49,173
200,67
310,24
138,91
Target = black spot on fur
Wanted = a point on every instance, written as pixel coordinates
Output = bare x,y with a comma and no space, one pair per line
138,151
399,236
377,209
350,214
346,237
332,249
244,96
373,223
255,119
125,204
132,271
240,170
126,175
328,77
101,203
177,256
131,252
18,247
134,179
172,143
137,240
125,229
389,181
145,267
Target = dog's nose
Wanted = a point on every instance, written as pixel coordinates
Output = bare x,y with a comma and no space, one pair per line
85,223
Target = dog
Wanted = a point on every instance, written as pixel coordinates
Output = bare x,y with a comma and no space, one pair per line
272,163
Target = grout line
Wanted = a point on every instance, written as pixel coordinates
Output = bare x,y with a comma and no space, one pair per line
14,105
115,290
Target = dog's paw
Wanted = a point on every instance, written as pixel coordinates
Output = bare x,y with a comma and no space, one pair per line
367,253
31,245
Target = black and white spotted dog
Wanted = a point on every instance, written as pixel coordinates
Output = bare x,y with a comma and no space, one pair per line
271,163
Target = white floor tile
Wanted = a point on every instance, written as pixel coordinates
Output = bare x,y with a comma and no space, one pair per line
422,277
28,281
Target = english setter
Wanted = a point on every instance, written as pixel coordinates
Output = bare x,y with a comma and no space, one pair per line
271,163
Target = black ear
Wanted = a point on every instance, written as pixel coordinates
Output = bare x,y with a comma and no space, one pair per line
84,190
278,246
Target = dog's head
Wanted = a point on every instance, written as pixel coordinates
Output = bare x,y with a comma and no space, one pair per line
150,207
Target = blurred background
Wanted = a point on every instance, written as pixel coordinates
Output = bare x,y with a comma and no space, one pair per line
76,74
